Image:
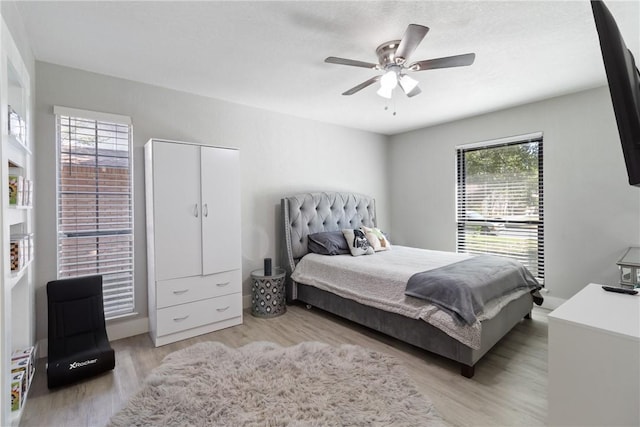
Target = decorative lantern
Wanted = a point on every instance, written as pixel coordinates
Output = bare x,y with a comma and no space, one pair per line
629,266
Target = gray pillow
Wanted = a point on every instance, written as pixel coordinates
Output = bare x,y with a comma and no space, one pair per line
328,243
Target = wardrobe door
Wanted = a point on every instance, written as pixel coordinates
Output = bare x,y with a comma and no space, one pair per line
177,210
220,169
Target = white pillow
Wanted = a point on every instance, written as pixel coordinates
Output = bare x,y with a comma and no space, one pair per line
376,238
357,242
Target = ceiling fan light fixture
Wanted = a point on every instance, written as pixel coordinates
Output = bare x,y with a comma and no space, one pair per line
389,80
385,92
407,83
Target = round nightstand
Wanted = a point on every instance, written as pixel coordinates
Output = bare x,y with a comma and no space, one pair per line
268,293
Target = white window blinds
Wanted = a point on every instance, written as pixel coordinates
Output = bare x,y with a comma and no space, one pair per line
500,203
95,203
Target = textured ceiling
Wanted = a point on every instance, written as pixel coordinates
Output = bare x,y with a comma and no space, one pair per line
270,54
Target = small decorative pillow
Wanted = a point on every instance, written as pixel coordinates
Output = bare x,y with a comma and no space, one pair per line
376,238
328,243
357,242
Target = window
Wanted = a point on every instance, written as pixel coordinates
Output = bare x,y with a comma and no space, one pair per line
95,203
500,200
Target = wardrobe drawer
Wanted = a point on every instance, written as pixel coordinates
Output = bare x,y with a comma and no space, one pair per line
191,315
189,289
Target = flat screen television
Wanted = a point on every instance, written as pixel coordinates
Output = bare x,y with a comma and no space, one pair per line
624,85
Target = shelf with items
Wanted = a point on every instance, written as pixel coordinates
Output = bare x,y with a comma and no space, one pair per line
17,299
17,101
17,414
17,127
23,369
20,188
21,250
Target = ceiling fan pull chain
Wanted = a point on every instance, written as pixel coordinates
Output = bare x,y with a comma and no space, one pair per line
386,107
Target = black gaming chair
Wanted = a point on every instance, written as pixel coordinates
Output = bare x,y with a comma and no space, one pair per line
78,343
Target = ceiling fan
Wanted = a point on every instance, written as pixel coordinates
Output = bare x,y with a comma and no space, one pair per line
393,59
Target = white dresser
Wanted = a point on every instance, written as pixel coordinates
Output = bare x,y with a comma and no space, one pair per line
594,360
193,239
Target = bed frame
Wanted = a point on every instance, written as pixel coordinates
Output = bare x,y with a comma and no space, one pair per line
310,213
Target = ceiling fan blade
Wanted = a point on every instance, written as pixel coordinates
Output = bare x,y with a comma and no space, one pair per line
362,85
446,62
410,41
352,62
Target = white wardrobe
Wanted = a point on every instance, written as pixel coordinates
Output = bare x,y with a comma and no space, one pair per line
193,239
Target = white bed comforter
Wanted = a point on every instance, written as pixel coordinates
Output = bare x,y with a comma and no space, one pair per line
379,281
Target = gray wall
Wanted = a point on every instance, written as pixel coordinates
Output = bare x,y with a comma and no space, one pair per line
591,213
280,155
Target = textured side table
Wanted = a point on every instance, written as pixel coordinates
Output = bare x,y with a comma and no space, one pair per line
267,293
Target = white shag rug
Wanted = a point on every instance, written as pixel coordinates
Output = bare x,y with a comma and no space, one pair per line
264,384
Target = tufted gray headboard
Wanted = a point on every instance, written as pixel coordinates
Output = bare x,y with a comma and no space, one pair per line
309,213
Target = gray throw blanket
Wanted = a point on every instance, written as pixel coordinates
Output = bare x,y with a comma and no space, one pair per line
463,288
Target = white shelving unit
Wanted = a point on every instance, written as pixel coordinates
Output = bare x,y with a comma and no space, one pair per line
17,319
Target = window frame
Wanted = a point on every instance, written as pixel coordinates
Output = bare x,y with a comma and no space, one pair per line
106,119
462,220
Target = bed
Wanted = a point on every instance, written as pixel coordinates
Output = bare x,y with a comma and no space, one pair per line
305,214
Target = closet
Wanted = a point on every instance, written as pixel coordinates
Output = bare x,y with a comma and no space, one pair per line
193,239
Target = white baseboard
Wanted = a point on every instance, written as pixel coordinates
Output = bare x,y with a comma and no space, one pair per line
551,303
128,328
115,331
246,301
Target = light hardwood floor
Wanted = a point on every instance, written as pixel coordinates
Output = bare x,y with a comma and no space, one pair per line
509,387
